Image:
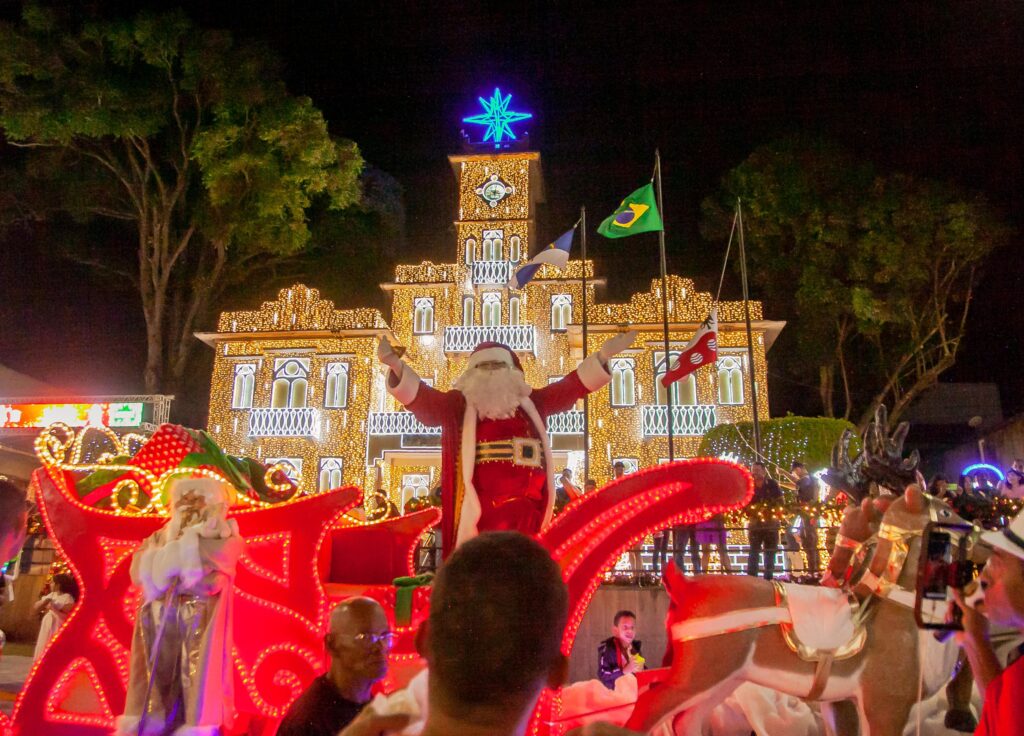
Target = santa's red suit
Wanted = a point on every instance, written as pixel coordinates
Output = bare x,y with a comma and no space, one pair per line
495,473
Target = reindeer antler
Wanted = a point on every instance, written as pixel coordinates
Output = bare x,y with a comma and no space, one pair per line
844,473
884,462
880,460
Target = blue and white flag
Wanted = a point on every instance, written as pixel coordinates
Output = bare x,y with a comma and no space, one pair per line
556,254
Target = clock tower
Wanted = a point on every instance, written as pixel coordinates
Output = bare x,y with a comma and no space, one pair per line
498,194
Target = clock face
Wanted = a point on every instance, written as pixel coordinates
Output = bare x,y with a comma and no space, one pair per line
493,190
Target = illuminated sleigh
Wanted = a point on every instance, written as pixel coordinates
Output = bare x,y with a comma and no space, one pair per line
302,556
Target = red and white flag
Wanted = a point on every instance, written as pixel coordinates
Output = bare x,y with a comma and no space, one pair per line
701,350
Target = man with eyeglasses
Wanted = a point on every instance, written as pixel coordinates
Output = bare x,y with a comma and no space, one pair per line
358,643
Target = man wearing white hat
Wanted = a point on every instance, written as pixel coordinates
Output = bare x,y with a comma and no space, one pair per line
497,471
1002,604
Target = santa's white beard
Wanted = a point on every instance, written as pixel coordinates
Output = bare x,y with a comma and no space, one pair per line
494,394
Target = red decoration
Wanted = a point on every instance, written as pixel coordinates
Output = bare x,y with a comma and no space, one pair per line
279,590
290,576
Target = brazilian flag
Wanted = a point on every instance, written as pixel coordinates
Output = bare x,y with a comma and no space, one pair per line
638,213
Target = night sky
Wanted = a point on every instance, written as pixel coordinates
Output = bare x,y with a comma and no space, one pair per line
931,88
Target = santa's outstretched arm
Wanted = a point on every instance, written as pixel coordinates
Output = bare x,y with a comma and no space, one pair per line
429,405
592,374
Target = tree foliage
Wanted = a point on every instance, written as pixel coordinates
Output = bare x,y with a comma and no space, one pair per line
186,137
876,270
783,440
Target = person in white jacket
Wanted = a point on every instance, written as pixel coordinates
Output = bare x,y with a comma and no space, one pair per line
55,607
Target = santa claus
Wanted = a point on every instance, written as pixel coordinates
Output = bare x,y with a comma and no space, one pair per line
181,675
496,464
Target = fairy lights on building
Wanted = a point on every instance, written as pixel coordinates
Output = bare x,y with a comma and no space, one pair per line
297,380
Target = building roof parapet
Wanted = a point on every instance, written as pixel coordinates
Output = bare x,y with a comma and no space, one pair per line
686,304
300,308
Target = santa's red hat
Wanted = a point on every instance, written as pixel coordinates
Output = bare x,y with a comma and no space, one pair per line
489,351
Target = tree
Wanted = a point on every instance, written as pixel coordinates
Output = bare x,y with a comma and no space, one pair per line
879,270
185,136
784,439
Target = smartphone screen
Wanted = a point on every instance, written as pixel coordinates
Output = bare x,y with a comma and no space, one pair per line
941,565
935,580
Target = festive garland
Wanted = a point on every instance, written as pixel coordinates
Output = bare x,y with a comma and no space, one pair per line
767,511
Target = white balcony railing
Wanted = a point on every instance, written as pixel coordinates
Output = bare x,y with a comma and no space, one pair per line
686,420
397,422
492,272
286,422
463,339
568,422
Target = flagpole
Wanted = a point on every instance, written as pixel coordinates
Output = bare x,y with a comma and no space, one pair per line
586,400
664,300
750,336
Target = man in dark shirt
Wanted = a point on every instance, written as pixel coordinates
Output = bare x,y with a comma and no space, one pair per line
807,492
358,643
620,654
764,535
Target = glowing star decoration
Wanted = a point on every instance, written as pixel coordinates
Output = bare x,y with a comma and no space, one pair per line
497,117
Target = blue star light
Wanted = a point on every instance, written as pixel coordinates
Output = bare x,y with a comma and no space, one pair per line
496,117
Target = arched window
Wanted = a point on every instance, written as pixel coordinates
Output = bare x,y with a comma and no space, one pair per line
491,314
467,311
623,386
687,394
245,382
414,485
730,380
513,310
330,474
292,467
514,249
561,312
659,370
423,315
336,391
494,245
631,464
470,250
291,380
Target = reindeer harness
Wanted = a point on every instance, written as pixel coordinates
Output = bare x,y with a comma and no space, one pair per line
798,610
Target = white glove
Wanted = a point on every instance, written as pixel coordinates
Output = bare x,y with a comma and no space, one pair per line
616,345
387,355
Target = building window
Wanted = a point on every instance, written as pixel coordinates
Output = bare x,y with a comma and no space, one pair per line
291,381
470,250
687,394
513,310
336,391
330,474
467,311
514,249
623,386
423,315
414,485
245,382
630,462
292,467
494,245
491,314
730,380
561,312
659,371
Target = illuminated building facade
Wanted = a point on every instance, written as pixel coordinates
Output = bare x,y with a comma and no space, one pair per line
297,381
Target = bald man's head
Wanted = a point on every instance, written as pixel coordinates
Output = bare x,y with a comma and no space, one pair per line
359,639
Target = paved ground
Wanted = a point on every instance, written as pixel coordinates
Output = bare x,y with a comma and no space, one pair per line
15,662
